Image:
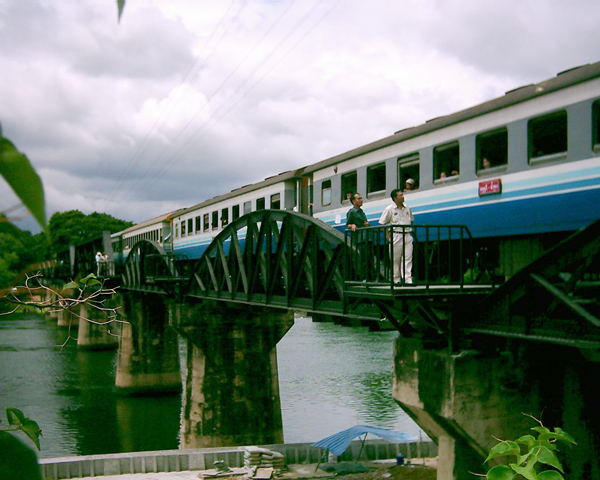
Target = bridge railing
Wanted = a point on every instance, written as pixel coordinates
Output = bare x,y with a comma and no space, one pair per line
441,255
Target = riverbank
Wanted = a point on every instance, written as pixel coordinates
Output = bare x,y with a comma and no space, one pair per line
178,461
420,469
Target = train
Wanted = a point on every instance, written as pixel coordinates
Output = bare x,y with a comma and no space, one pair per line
521,171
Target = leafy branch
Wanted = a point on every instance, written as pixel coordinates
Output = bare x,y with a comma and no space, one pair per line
18,421
89,291
533,456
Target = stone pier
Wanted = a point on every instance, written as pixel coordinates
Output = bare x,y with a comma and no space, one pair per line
95,332
148,360
463,400
232,385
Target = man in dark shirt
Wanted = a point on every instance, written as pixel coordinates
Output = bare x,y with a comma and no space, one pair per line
355,220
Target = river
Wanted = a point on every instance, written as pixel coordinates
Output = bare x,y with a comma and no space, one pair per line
331,378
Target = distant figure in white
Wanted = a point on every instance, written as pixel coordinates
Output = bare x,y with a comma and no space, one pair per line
399,214
99,258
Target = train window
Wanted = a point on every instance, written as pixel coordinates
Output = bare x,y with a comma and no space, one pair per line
183,228
492,149
260,203
190,226
205,222
247,207
326,192
446,161
349,185
376,179
224,217
408,173
176,230
547,136
276,201
235,212
596,125
198,224
215,220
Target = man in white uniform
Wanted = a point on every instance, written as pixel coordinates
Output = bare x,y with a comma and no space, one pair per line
399,214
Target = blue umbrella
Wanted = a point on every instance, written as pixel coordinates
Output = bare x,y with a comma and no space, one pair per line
338,442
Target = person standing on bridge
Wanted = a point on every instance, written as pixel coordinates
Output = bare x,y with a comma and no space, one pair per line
99,259
355,220
399,214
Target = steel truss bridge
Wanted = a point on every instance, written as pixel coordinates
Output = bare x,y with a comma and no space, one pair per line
284,259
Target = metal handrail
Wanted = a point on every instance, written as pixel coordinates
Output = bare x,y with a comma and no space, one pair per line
442,255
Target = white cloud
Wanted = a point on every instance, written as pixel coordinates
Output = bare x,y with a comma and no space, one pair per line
187,99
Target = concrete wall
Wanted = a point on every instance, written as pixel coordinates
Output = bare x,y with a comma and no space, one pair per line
200,459
464,400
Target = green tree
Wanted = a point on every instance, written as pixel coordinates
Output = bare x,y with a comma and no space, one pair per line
73,227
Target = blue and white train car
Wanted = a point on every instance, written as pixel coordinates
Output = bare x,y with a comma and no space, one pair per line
519,170
194,228
157,229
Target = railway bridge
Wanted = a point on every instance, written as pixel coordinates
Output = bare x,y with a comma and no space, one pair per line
471,355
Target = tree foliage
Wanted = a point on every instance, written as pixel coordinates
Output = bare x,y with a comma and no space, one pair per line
73,227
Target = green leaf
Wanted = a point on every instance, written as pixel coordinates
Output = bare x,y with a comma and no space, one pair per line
540,429
23,179
562,435
120,5
33,431
528,472
550,475
528,440
15,416
504,448
71,285
549,458
501,472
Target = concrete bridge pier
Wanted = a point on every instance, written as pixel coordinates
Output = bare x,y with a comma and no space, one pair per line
463,400
148,360
94,332
232,385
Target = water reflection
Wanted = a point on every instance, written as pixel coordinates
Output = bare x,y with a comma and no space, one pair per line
331,377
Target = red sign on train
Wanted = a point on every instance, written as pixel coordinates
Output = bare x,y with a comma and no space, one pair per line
490,187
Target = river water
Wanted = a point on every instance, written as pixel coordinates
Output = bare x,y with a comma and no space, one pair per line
331,378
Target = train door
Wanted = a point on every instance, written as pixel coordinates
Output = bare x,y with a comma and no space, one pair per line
306,195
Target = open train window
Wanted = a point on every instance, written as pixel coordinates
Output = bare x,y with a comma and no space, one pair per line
547,136
492,149
198,224
408,173
446,161
190,226
235,212
247,207
215,220
349,185
596,126
205,221
326,192
276,201
224,217
183,228
260,203
376,179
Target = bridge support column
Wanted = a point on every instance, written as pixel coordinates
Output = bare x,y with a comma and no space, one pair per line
465,400
232,385
94,333
148,360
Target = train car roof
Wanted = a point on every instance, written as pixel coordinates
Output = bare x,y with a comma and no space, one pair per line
241,190
161,218
562,80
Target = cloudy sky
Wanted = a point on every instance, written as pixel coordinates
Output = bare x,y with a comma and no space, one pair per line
186,99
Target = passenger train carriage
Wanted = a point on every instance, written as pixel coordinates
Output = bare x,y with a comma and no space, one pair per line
519,171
